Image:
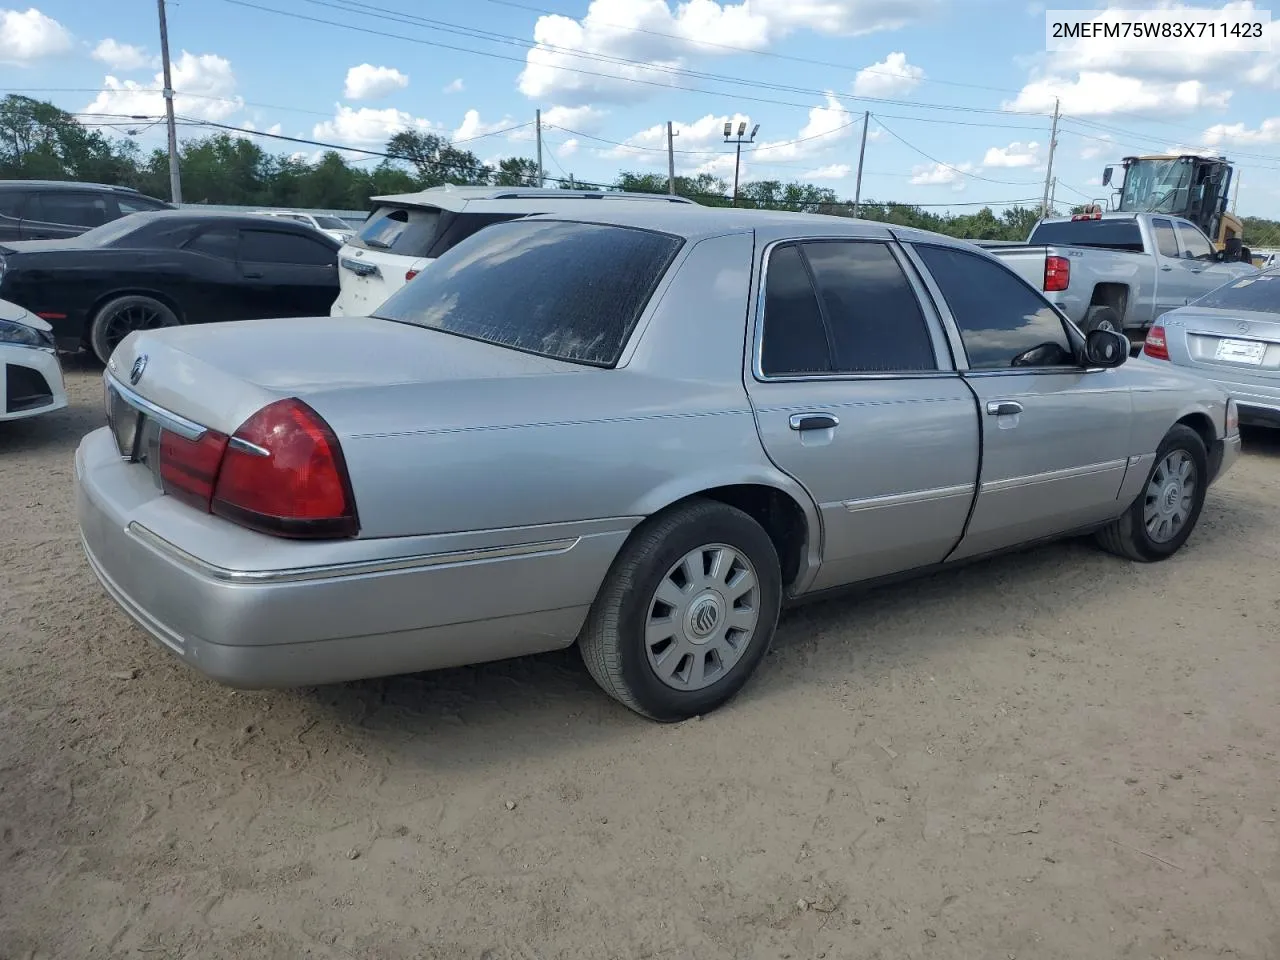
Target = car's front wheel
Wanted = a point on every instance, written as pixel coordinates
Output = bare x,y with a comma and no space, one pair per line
1162,517
686,613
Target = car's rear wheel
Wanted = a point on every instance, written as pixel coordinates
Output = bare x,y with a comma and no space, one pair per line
118,318
1101,318
686,613
1162,517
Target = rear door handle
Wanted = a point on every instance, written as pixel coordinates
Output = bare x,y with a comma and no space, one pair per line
1003,408
1166,267
253,274
813,421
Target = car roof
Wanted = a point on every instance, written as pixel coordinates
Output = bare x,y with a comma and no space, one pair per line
697,222
63,185
514,199
187,215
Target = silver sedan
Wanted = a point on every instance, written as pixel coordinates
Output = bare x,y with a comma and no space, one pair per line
1231,336
638,428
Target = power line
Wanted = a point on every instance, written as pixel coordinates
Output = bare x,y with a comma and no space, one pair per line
964,173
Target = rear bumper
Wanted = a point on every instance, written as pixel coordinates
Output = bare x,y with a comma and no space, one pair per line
308,623
1259,404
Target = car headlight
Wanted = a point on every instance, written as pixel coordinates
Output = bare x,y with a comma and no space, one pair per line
20,335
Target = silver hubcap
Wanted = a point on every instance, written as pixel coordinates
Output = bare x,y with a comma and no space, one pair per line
1170,494
702,617
1107,325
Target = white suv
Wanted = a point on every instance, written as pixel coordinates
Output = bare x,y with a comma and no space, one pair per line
335,227
405,232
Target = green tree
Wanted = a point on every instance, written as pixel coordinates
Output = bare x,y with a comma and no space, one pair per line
40,141
516,172
436,161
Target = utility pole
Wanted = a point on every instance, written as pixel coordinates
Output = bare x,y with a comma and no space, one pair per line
537,122
175,180
728,138
671,160
862,151
1053,194
1235,193
1053,143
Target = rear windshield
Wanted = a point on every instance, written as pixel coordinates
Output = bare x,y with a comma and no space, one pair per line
1259,293
571,291
407,231
1107,234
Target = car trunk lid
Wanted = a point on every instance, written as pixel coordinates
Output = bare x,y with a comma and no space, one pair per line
1244,341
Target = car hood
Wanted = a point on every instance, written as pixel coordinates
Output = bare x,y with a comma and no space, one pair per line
16,314
219,373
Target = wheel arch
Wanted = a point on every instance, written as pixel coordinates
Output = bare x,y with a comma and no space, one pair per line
105,298
1113,295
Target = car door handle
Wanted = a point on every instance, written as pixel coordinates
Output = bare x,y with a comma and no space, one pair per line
1003,408
813,421
253,274
1166,267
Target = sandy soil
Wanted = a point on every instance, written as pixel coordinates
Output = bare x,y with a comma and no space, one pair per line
1054,755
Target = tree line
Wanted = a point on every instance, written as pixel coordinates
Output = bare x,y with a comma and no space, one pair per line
40,141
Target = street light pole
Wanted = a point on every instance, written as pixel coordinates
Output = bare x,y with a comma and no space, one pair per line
739,140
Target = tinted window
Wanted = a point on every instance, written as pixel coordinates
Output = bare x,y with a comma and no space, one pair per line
573,291
1194,244
795,340
462,225
271,246
65,207
1260,293
408,231
220,242
1108,234
131,204
332,223
872,312
11,203
1166,242
1000,317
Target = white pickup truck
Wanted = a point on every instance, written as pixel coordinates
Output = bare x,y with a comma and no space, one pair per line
1119,271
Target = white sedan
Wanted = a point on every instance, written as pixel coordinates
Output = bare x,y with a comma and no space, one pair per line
30,375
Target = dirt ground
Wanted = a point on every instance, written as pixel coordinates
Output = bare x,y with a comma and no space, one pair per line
1053,755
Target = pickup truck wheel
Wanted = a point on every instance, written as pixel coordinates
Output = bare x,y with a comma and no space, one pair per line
118,318
1101,318
1161,519
686,613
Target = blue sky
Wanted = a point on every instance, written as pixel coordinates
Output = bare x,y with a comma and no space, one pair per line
959,90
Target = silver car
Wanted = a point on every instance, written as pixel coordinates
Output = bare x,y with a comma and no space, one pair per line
643,429
1231,336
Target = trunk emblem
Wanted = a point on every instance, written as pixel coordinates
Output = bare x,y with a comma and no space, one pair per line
139,366
1243,326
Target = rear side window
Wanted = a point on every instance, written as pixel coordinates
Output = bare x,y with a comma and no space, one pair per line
571,291
276,246
1166,241
1003,322
454,229
130,204
1106,234
406,231
69,208
795,338
220,242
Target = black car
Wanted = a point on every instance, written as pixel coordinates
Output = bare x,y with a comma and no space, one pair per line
161,269
52,209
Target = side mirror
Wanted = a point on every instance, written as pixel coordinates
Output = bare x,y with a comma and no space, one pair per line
1106,176
1105,348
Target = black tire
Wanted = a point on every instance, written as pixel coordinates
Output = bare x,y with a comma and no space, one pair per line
612,642
1101,318
1128,536
119,317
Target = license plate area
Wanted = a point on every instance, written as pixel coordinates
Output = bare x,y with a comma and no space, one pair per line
1251,352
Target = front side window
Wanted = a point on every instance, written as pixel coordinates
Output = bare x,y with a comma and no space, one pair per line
71,209
570,291
1003,323
1194,244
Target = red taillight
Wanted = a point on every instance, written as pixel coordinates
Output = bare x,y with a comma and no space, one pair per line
283,473
1057,274
1156,348
410,274
188,468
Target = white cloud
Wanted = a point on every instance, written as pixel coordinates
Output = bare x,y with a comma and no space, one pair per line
892,77
568,148
1095,149
940,174
30,36
1266,132
472,127
123,56
453,86
832,171
585,118
205,88
367,125
1014,155
827,124
660,38
275,128
367,82
1109,94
